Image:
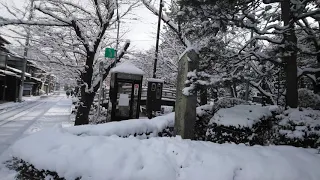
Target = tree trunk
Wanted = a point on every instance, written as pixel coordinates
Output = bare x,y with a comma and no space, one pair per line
203,96
317,84
290,56
82,116
87,93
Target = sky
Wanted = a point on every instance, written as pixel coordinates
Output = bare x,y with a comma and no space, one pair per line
140,25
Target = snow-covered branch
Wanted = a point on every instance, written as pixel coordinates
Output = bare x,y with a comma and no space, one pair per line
5,22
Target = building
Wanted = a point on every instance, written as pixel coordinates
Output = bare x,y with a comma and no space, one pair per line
36,80
9,80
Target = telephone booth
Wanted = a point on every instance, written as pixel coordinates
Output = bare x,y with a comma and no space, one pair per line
125,92
154,96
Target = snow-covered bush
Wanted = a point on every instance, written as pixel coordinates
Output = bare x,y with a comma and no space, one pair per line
247,124
227,103
299,127
308,99
26,171
204,114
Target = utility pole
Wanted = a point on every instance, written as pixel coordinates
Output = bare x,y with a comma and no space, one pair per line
157,43
118,31
25,53
101,68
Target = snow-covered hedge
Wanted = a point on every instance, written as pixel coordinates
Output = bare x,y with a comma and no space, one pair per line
308,99
143,128
206,112
248,124
109,157
299,127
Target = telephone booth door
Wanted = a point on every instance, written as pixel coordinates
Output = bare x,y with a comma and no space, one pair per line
127,102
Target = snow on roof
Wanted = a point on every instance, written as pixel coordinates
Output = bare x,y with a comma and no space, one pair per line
18,71
9,73
241,115
155,80
127,68
100,157
36,79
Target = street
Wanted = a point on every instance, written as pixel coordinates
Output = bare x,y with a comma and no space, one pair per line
32,115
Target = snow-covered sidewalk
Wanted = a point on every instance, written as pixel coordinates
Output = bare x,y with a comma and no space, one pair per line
5,106
59,114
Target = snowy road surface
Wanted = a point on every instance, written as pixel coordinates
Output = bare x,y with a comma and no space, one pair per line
32,115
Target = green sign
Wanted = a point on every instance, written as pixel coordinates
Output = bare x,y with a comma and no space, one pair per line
110,53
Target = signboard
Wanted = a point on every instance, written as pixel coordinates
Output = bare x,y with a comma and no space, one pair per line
124,100
110,53
136,89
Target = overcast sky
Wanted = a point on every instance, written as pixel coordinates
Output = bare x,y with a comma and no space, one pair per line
141,26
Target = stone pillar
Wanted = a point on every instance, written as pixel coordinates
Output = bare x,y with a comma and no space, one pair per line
185,106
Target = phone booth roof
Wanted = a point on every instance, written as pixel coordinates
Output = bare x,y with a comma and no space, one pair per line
127,68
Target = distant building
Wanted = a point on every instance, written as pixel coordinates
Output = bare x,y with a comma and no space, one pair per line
37,81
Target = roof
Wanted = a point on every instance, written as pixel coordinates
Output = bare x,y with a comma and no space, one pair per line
18,71
9,73
156,80
4,41
127,68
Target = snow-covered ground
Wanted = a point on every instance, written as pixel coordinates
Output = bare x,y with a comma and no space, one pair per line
110,157
96,152
35,113
8,106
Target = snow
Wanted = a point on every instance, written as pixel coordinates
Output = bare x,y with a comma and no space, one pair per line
104,158
241,115
125,128
155,80
127,68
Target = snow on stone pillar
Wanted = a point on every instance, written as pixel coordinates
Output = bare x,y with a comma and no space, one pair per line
185,106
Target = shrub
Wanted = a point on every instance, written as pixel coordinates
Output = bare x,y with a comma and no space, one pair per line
298,127
27,171
308,99
204,114
247,124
